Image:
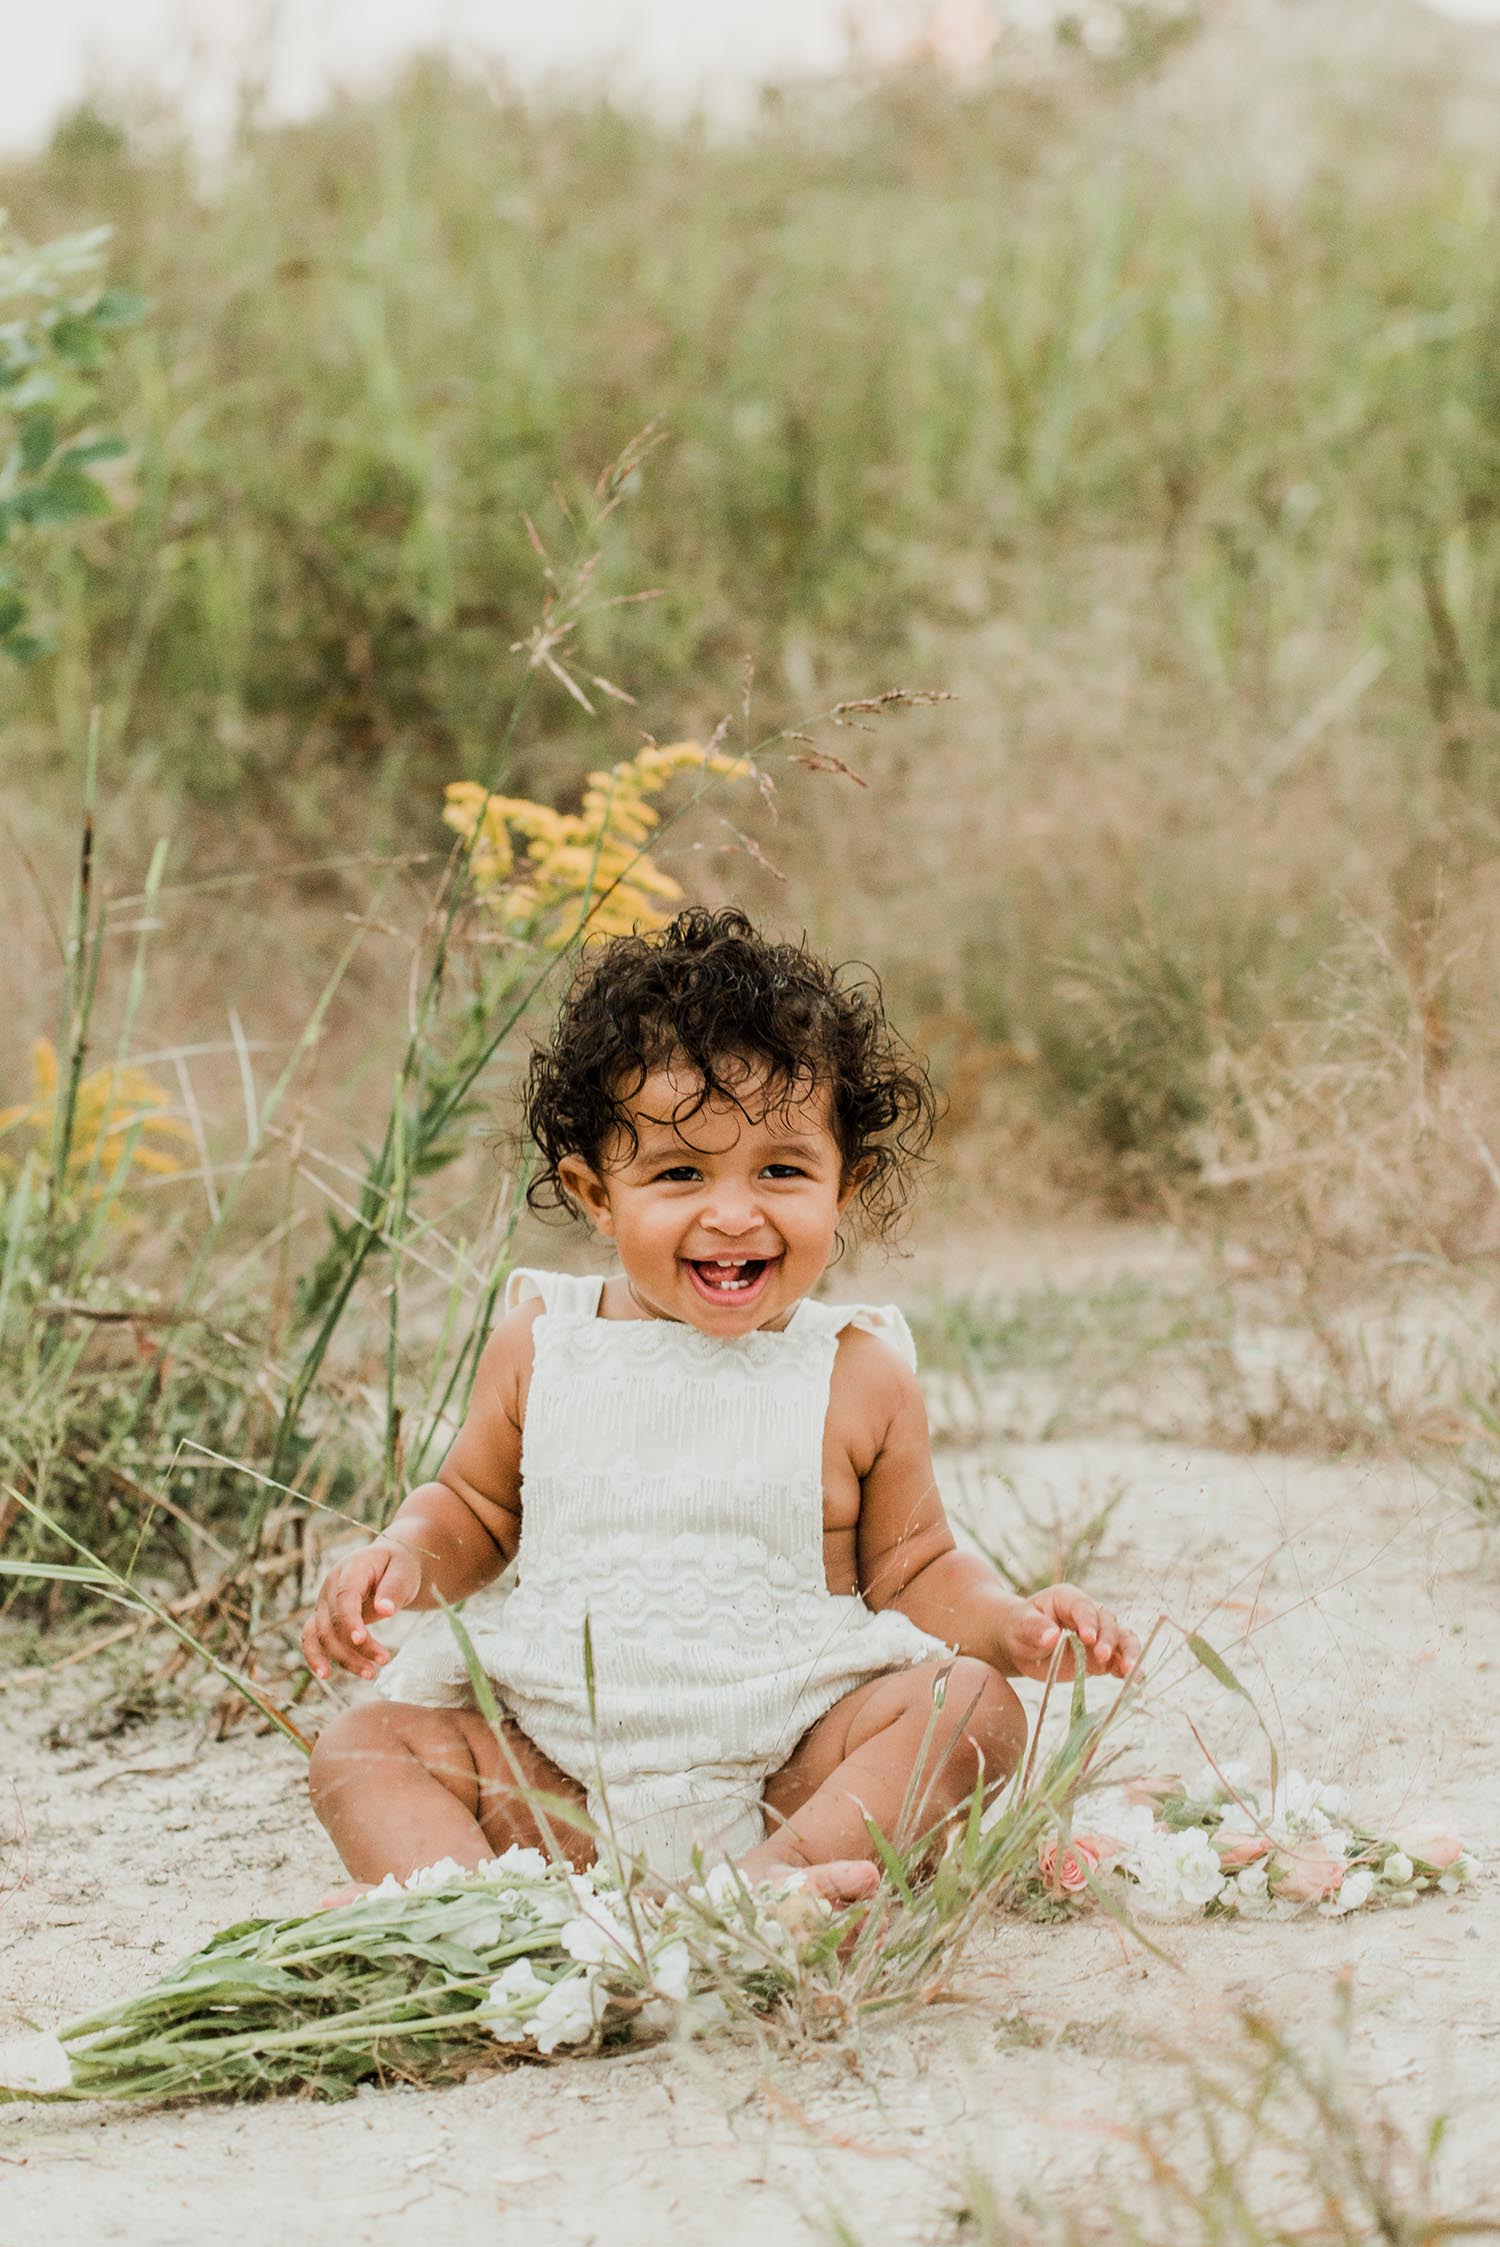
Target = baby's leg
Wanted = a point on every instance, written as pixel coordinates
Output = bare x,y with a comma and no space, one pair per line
882,1753
398,1786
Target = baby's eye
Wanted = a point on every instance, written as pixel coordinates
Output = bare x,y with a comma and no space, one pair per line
680,1174
784,1170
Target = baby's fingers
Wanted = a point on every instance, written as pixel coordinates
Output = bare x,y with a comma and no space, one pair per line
312,1646
351,1642
337,1631
1126,1654
1114,1652
325,1644
324,1647
1076,1612
1033,1642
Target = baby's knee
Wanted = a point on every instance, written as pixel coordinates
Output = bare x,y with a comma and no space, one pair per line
353,1747
986,1714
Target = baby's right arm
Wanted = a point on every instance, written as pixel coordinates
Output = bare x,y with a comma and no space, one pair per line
448,1537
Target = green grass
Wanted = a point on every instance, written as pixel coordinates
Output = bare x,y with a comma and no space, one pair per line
1184,467
883,330
1189,468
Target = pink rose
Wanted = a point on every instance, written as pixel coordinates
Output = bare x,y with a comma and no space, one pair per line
1066,1870
1100,1848
1153,1787
1309,1877
1435,1845
1236,1850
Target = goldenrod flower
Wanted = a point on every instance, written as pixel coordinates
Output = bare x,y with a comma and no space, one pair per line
109,1106
552,875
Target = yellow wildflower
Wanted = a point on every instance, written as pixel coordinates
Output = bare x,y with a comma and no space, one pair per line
551,875
109,1106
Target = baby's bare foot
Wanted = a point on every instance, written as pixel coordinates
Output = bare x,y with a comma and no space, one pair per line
349,1894
844,1880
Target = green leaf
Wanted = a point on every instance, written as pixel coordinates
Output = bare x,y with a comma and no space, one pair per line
67,496
63,1571
1215,1664
76,339
118,307
590,1678
38,440
94,449
1217,1667
1078,1713
484,1692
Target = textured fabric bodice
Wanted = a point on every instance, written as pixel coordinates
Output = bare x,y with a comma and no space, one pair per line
672,1525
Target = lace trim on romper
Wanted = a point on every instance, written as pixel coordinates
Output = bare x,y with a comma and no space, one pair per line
672,1496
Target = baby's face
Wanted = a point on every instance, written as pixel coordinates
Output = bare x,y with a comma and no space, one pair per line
724,1218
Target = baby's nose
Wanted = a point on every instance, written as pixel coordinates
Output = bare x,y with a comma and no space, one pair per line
732,1214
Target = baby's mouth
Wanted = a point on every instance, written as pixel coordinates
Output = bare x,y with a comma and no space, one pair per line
735,1280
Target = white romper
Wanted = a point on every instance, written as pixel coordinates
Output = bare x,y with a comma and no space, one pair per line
672,1494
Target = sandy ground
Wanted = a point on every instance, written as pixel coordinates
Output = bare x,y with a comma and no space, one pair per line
1362,1610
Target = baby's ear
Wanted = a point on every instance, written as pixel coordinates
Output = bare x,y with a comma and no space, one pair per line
587,1192
856,1175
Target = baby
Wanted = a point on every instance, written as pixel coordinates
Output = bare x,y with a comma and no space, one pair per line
740,1625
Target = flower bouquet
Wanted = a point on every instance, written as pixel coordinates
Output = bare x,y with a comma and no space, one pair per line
432,1980
1224,1846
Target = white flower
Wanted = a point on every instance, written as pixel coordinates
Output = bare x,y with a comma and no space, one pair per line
597,1937
514,1864
722,1886
672,1970
1397,1868
1178,1872
34,2061
1236,1781
477,1920
1133,1824
1308,1805
1250,1882
1465,1866
1200,1877
441,1875
517,1987
569,2013
1356,1888
1450,1883
547,1907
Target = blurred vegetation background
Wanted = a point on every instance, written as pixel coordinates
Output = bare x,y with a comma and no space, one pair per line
1147,399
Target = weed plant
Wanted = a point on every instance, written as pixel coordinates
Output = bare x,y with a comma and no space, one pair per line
1178,439
265,1386
1269,2140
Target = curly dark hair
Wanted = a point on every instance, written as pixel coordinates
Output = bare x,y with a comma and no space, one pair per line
711,992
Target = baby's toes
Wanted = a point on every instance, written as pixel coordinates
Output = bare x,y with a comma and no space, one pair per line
336,1898
845,1880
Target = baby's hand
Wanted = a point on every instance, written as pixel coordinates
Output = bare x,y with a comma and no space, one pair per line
378,1581
1109,1649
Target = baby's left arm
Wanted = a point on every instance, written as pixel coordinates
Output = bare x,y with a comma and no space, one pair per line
908,1557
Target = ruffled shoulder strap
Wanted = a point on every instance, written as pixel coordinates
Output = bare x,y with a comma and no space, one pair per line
882,1319
566,1295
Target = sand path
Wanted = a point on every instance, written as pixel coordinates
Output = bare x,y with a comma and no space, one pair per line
1361,1608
